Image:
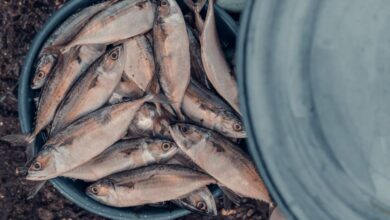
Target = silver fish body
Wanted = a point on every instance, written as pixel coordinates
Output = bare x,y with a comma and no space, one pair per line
122,20
216,67
83,140
66,31
221,159
208,110
171,46
70,66
152,184
139,66
124,155
93,89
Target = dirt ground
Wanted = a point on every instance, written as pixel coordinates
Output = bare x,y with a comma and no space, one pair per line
20,20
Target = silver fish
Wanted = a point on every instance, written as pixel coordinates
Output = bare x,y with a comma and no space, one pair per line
66,31
197,69
200,201
122,20
84,139
217,68
221,159
125,155
208,110
139,67
69,67
171,46
152,184
93,89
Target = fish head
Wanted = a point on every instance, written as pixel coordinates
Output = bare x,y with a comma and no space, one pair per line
162,150
45,65
166,8
230,125
187,135
113,58
43,167
103,191
201,201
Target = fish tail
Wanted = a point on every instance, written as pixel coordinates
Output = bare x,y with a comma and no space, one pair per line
179,114
34,191
157,98
18,139
195,6
53,50
236,199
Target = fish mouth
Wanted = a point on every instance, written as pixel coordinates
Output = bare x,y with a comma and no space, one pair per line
36,176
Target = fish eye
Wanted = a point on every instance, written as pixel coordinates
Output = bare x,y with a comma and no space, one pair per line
114,55
201,206
37,166
185,130
237,127
166,146
94,190
164,3
41,74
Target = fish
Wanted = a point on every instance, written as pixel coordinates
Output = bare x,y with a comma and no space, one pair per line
208,110
200,201
69,67
222,160
125,155
120,21
216,67
151,184
93,90
84,139
149,122
172,53
66,31
45,64
277,214
197,68
139,57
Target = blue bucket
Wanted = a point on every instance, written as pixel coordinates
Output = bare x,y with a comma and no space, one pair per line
74,190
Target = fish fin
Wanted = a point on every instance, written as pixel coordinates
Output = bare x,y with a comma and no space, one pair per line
21,171
34,191
18,139
195,6
54,49
232,196
157,98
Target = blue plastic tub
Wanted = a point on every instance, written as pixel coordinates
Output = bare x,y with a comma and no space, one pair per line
74,190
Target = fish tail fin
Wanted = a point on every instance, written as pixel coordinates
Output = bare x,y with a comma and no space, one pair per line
195,6
34,191
18,139
21,171
232,196
157,98
54,49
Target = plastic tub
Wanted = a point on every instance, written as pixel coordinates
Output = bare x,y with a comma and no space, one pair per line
314,82
74,190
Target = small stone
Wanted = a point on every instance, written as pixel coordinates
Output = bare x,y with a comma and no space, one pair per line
45,214
250,212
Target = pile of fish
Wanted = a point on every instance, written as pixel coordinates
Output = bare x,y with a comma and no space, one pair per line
140,101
